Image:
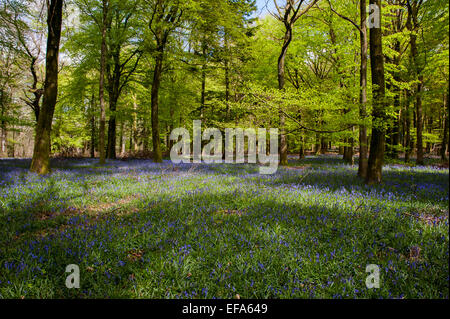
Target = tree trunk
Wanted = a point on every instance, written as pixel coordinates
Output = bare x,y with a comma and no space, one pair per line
446,127
11,147
121,139
396,127
429,128
408,126
92,143
3,150
323,146
111,144
101,142
41,155
419,121
227,90
203,89
317,145
34,103
413,26
376,155
348,151
3,139
134,134
171,126
281,81
130,139
113,85
363,144
145,134
157,155
301,154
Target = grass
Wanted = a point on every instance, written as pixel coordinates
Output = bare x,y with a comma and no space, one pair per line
138,229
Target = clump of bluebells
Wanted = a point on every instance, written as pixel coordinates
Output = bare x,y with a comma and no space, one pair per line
137,229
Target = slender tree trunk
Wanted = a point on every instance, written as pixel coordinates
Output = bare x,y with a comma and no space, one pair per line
281,81
111,143
389,131
11,148
301,154
291,13
376,155
317,145
3,139
3,150
446,127
203,92
134,134
92,143
408,127
323,146
348,151
34,103
113,85
227,89
171,126
419,120
130,139
413,26
41,155
165,23
363,143
122,139
145,134
101,142
396,127
157,155
429,128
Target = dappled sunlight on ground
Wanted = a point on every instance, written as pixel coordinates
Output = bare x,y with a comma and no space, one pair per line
144,230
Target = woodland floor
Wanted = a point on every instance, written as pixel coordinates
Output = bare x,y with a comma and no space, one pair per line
143,230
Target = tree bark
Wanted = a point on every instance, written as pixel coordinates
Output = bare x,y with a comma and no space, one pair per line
419,121
157,155
134,133
281,82
121,139
227,89
34,103
396,127
376,155
92,143
203,88
301,154
288,15
408,127
445,138
413,26
3,134
41,154
101,95
363,143
113,85
323,146
171,17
